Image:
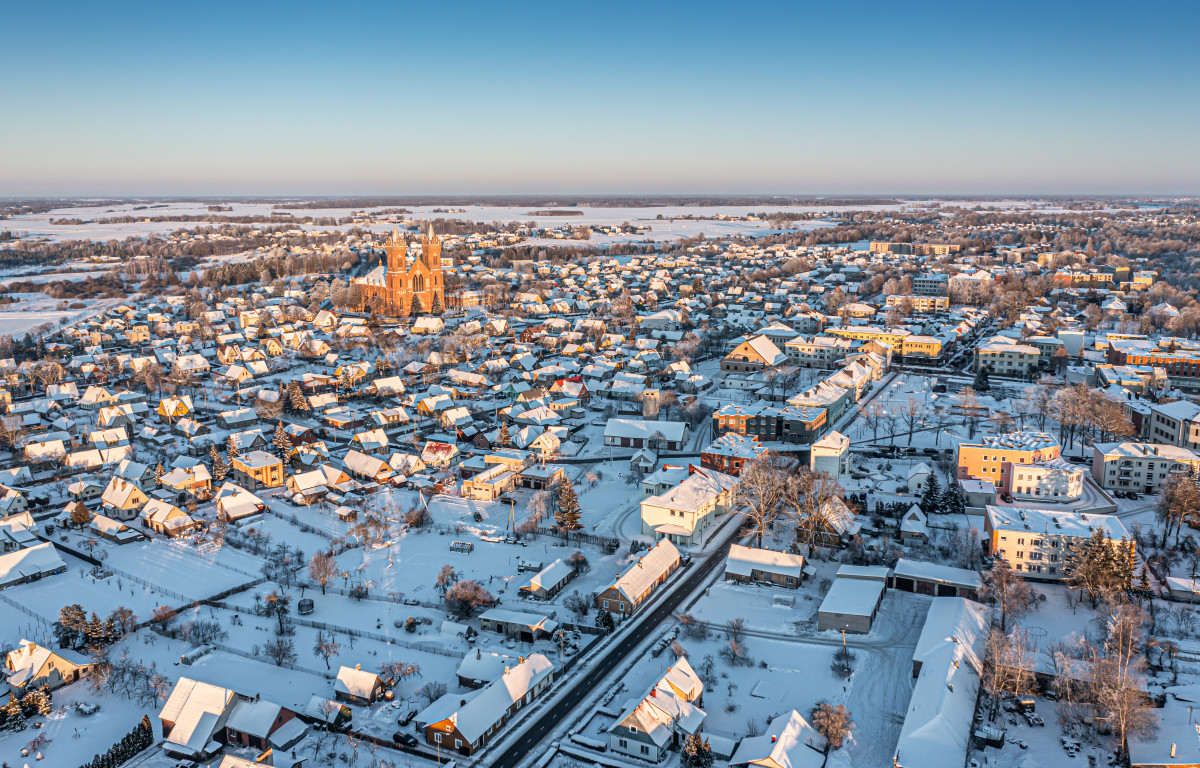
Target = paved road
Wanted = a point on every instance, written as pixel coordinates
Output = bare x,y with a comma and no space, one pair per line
586,683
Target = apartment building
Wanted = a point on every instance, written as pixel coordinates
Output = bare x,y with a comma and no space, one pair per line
1007,357
1176,423
1141,467
921,304
918,348
800,424
258,469
891,336
817,351
1034,542
1179,358
997,457
937,284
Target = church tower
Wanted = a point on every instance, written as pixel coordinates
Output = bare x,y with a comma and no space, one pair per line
397,252
397,273
431,250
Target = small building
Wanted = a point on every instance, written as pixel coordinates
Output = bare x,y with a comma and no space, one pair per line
751,565
193,719
357,686
30,564
522,625
254,721
480,667
851,604
114,530
914,525
934,579
788,742
549,581
831,455
917,475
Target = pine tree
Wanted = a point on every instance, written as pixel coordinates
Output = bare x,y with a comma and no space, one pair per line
97,634
220,468
981,383
416,307
158,473
282,441
697,753
232,450
383,366
12,707
296,398
567,514
505,437
931,500
952,501
436,307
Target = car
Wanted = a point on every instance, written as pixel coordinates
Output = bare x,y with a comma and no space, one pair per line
404,739
478,516
407,717
1131,495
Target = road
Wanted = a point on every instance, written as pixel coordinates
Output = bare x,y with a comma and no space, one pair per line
587,683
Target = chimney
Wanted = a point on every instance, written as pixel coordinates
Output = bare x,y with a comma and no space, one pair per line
462,702
1172,750
654,693
478,653
772,739
358,666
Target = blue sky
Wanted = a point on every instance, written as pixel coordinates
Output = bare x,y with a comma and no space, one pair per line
445,98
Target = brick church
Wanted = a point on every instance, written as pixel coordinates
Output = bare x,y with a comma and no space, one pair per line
389,288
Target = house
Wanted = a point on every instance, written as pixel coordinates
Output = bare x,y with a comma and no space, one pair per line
684,513
549,581
366,467
114,530
751,565
663,718
258,469
638,433
32,666
253,721
194,717
123,499
237,505
166,518
831,455
639,581
172,409
914,526
480,667
756,353
357,686
466,724
30,564
439,454
918,474
788,742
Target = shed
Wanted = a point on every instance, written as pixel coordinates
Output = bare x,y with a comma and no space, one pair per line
850,605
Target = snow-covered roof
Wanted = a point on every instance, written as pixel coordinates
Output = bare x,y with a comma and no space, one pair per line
648,569
31,561
788,742
743,560
672,431
944,574
853,597
493,702
196,710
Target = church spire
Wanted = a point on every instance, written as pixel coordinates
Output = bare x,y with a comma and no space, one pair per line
395,233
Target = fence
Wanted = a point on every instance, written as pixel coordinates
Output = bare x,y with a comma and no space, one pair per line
330,675
415,646
39,619
586,538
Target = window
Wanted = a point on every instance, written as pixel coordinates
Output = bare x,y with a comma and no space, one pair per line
623,743
645,750
458,743
437,737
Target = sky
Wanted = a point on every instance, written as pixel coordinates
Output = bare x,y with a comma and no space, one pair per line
262,98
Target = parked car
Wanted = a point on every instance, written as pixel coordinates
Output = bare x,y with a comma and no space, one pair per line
404,739
407,717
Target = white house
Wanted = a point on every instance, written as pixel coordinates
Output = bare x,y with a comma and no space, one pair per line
831,455
684,513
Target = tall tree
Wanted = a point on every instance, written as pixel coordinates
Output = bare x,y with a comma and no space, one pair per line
1012,594
567,513
760,490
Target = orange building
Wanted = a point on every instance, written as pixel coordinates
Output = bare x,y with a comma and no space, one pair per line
994,456
390,288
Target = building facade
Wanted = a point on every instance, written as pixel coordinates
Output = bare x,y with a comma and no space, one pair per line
390,289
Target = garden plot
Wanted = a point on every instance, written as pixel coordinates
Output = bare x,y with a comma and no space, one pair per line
172,568
76,585
66,728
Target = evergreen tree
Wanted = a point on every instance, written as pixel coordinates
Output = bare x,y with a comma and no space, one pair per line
220,467
416,307
505,438
383,366
696,752
604,620
436,308
71,626
158,473
97,634
373,320
296,398
952,501
981,383
931,500
567,513
282,441
232,450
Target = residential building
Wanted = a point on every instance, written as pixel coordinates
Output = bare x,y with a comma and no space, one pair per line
1035,541
639,581
258,469
1007,357
686,512
751,565
996,457
1140,467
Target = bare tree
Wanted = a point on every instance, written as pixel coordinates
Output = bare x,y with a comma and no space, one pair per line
759,492
806,500
833,722
322,569
1006,667
1010,592
325,647
281,650
912,413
